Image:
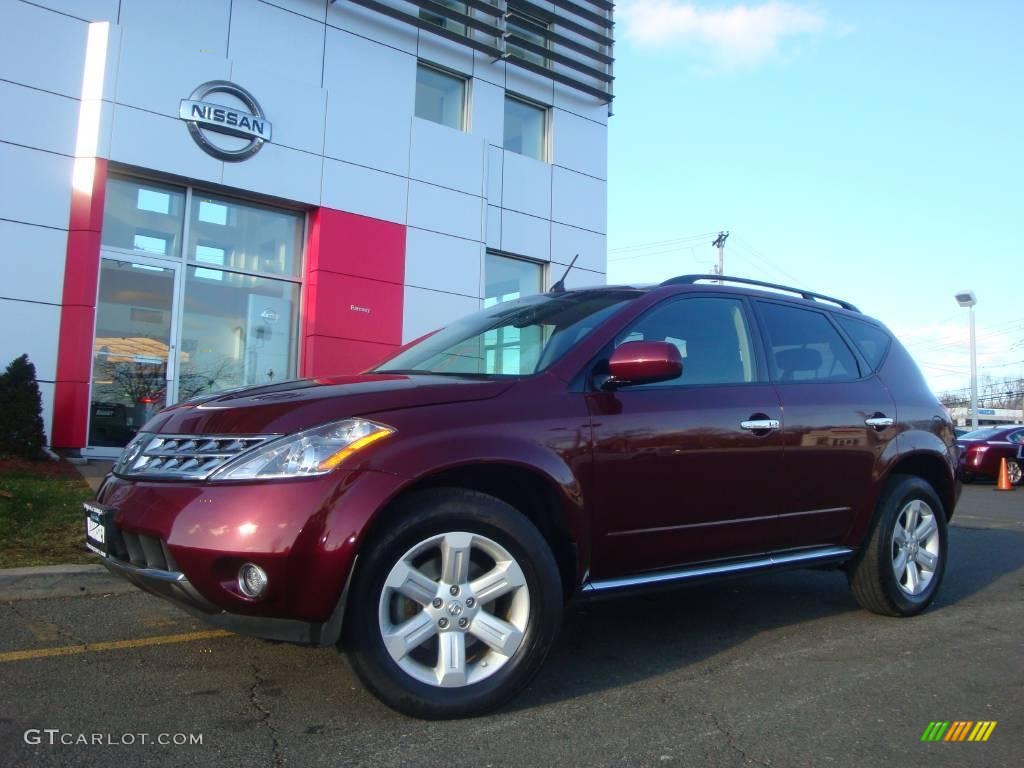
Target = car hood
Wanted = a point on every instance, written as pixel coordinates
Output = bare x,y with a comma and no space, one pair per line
290,406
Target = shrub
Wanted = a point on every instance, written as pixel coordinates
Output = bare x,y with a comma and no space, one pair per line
21,411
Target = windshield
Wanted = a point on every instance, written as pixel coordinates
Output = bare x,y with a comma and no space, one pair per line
516,338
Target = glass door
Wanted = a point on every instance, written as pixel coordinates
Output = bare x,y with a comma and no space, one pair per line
133,346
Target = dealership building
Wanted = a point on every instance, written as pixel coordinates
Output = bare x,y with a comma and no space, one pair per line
203,194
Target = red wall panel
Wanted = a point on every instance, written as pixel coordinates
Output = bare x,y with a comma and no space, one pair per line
78,312
348,244
352,317
327,355
357,308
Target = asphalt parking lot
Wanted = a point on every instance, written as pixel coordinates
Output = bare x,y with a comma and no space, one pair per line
783,670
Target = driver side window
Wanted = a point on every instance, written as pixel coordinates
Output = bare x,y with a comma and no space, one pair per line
711,335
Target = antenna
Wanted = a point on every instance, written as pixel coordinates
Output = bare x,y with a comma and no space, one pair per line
559,287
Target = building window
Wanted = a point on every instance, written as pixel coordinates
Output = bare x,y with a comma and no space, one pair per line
526,128
456,27
143,216
198,293
245,236
509,349
530,29
440,97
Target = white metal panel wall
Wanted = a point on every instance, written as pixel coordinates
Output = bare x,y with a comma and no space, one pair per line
338,84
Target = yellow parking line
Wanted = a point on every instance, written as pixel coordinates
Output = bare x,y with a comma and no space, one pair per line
115,645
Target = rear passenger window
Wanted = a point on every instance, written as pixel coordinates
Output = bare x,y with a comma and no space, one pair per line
871,340
711,336
804,346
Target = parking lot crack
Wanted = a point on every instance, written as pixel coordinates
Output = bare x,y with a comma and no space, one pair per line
31,622
264,714
731,741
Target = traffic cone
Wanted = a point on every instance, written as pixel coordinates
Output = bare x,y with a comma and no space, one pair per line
1004,478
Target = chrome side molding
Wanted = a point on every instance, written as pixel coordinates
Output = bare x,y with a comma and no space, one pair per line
776,560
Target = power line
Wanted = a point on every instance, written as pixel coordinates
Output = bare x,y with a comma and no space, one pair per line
659,243
947,341
676,249
768,263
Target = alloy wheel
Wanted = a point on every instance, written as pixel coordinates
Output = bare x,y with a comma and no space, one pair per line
916,547
1014,472
454,609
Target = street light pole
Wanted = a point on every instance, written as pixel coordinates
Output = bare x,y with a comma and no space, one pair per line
974,372
968,299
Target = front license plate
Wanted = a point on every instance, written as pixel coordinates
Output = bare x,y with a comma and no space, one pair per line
98,522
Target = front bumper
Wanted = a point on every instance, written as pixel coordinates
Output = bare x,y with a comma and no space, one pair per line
174,587
185,542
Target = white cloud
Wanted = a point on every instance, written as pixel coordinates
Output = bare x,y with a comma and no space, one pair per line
735,37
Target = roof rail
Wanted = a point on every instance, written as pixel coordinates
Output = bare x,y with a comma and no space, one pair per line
810,295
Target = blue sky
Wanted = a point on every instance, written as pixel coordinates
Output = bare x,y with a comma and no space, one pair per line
870,150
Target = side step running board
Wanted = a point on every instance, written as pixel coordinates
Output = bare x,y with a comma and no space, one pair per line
777,560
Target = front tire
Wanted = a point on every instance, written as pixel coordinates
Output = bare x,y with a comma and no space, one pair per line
899,570
454,607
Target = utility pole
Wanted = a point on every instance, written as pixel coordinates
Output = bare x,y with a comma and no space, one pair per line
719,243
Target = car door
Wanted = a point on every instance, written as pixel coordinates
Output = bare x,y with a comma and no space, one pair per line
691,469
839,419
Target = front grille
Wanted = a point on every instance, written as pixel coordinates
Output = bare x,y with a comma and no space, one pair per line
184,457
140,550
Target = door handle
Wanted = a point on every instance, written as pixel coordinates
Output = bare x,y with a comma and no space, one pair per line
760,425
880,422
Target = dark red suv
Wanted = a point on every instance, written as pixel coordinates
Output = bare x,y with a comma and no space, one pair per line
432,516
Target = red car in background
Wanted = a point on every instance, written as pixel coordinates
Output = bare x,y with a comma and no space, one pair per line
982,451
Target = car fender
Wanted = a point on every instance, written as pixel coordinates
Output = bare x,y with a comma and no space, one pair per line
414,461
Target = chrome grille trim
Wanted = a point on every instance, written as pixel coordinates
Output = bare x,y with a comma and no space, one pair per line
184,457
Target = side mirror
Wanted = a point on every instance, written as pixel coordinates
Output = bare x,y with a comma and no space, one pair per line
643,362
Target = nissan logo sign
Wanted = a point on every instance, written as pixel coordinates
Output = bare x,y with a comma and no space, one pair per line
204,117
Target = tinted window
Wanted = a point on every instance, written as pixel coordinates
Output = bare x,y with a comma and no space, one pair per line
871,340
711,335
803,346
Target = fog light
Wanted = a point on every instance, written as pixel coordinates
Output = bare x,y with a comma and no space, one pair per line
252,580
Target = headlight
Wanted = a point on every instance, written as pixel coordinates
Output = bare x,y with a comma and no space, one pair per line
313,452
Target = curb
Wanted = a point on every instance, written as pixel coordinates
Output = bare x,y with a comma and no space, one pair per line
48,581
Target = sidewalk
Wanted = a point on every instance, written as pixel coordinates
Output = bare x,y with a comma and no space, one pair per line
94,472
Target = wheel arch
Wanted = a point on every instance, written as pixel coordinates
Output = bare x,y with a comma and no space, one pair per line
929,465
933,469
534,494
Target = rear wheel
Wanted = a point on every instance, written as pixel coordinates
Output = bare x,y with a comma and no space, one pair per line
899,570
1014,472
454,608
